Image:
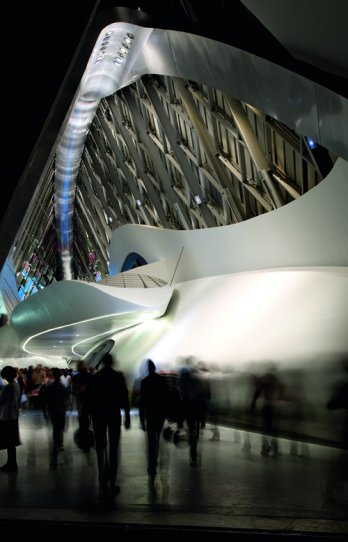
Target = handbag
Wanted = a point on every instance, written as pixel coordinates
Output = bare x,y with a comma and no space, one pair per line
84,439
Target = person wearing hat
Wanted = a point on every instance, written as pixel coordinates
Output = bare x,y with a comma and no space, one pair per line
9,412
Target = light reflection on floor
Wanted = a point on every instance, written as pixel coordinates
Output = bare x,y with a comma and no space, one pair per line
232,479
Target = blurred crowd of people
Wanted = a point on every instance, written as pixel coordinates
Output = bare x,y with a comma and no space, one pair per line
171,402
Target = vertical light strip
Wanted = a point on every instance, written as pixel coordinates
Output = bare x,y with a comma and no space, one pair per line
108,70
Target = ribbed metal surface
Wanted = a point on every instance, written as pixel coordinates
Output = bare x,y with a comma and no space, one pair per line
128,280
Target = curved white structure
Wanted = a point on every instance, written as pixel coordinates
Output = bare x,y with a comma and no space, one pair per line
256,290
251,294
241,280
268,241
273,288
303,105
69,318
108,70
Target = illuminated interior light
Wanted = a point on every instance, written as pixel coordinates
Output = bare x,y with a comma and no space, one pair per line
311,143
137,318
198,200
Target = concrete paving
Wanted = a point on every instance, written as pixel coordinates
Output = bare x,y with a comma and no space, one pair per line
234,489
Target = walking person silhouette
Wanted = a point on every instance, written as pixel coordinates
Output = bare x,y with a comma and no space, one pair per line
152,412
9,413
107,395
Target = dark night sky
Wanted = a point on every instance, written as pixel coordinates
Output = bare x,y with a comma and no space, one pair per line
37,50
41,41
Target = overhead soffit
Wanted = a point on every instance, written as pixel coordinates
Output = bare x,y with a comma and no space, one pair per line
321,35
